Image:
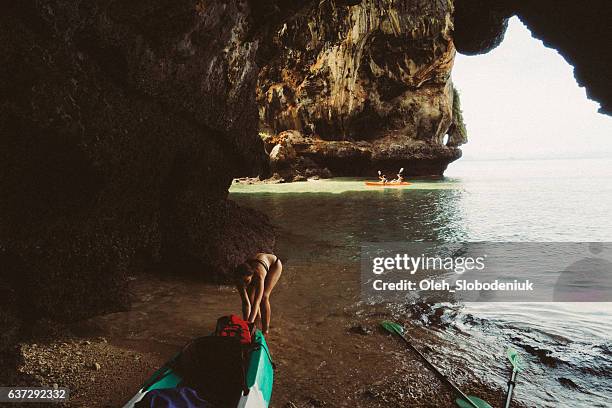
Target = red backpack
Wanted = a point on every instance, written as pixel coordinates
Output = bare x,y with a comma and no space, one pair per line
233,326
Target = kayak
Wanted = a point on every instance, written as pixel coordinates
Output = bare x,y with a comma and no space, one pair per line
258,375
387,184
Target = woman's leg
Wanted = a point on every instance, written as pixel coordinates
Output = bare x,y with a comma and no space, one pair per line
251,292
266,310
271,280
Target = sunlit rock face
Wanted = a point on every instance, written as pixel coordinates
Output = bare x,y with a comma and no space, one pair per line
122,125
576,29
367,86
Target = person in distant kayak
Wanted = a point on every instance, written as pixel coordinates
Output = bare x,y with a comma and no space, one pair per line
399,178
255,280
382,177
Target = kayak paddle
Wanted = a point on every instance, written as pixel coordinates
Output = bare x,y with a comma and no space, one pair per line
517,366
463,402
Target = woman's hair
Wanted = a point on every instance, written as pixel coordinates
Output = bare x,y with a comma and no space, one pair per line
243,270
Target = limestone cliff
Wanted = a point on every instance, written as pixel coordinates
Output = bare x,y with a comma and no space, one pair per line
361,87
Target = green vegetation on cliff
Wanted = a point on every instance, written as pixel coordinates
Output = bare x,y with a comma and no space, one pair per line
457,132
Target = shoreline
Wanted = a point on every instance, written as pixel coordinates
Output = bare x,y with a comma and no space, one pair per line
338,185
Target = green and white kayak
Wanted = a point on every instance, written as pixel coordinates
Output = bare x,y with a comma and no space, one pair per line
259,378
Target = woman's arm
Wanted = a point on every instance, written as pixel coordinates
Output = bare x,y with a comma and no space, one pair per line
246,303
259,291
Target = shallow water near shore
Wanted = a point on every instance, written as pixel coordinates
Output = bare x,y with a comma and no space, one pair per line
325,338
567,345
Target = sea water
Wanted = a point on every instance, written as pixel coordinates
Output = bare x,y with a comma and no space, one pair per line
567,346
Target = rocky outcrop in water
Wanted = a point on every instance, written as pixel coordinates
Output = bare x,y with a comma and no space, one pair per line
122,125
362,87
365,84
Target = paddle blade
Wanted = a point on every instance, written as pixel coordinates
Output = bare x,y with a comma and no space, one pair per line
515,359
392,327
379,172
461,403
401,170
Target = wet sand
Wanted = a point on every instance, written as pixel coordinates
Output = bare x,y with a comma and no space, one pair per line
98,374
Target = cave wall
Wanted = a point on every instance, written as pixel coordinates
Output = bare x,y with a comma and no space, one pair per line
122,125
365,83
579,30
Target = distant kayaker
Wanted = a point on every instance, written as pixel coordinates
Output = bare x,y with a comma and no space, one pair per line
382,177
255,280
399,178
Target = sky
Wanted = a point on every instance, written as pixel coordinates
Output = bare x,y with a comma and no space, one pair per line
521,101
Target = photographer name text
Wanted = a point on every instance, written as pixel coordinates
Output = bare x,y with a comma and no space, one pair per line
451,285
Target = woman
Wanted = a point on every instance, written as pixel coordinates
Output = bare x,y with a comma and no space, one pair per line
255,280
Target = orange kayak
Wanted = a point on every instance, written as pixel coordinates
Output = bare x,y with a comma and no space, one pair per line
387,184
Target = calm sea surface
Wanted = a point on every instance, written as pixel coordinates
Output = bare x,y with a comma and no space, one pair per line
568,346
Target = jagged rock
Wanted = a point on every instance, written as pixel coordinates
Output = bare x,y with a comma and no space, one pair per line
313,156
282,154
367,82
480,25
